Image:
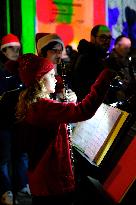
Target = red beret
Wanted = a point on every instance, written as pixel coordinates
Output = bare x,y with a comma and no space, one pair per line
33,67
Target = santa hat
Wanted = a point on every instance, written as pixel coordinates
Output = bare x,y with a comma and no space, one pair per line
43,39
33,67
9,40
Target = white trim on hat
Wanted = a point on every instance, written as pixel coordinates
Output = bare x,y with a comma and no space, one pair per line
45,40
10,44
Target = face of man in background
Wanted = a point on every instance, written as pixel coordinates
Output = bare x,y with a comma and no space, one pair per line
55,54
123,46
12,52
102,38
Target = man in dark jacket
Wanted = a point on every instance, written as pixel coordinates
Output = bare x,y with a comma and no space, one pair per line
90,60
123,86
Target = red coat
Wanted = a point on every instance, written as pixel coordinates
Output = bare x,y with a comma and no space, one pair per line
52,173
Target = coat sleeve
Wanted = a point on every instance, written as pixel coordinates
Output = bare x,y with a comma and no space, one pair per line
3,82
49,111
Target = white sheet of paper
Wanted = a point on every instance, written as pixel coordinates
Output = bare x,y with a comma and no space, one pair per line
91,134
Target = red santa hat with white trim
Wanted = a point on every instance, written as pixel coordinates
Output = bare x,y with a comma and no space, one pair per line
43,39
9,40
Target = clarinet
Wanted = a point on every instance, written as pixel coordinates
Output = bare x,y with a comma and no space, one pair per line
65,99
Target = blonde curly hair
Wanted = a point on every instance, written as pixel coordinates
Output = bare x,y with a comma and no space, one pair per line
28,96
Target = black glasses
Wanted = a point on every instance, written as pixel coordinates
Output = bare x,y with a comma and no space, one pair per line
104,37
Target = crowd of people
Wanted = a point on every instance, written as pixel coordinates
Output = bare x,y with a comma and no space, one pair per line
35,156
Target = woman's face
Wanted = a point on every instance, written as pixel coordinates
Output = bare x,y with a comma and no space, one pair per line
49,81
12,52
55,54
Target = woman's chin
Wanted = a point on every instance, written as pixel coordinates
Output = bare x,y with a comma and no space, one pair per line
52,90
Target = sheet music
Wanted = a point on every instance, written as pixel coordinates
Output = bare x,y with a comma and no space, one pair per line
91,134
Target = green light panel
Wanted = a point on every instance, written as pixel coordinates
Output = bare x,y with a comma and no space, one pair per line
28,8
8,16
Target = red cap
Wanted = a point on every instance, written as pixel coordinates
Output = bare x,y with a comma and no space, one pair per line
33,67
9,40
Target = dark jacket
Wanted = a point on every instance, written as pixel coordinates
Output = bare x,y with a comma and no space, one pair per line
9,72
122,65
3,80
10,86
87,67
123,86
44,130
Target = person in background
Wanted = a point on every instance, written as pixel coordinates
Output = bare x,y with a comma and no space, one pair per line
71,53
10,50
90,59
123,86
43,128
120,53
10,47
11,162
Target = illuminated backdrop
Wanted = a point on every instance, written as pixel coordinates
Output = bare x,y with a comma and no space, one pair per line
71,19
121,16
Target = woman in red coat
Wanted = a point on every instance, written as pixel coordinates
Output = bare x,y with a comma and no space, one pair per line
43,123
